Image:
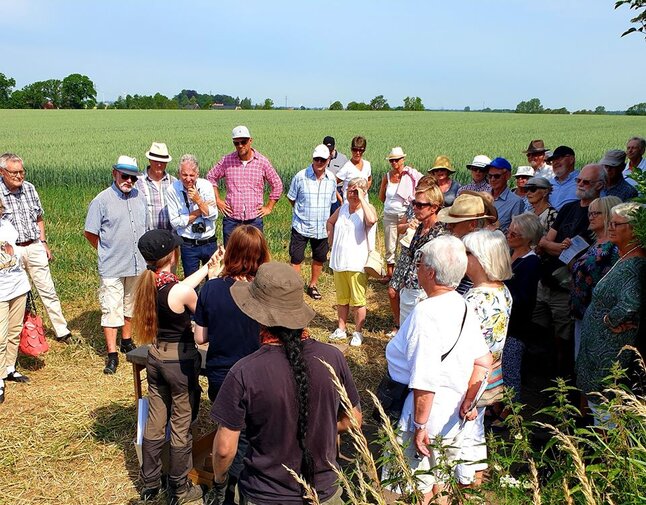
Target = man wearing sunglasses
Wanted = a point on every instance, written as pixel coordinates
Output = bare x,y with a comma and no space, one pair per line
24,211
115,221
479,168
245,172
507,203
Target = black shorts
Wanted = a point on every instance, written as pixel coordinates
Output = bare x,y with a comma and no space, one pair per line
297,244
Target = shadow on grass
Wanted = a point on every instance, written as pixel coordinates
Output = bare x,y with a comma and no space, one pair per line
88,327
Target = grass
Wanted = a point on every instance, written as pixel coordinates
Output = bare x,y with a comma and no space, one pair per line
66,437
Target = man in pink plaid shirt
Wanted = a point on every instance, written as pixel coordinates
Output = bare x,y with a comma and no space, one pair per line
245,172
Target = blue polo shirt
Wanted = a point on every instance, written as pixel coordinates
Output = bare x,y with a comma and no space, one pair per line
508,205
563,192
119,219
312,201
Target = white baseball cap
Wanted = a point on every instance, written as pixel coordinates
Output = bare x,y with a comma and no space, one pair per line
240,132
321,151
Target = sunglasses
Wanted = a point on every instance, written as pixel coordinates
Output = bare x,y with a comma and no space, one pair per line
479,169
357,149
242,142
532,189
395,160
125,177
584,182
420,205
495,176
353,192
319,160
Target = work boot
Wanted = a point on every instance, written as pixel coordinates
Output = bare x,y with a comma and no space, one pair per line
111,364
149,493
188,493
127,346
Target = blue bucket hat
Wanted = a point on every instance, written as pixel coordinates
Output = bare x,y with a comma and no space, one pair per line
500,163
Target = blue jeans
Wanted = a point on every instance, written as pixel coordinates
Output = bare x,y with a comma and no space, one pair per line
193,255
229,224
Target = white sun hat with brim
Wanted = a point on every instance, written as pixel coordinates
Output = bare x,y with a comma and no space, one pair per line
127,165
396,153
524,171
480,161
158,152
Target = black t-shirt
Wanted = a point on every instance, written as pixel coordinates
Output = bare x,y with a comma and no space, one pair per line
259,393
522,286
171,326
232,334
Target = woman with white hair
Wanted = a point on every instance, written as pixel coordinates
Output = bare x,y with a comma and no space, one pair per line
441,355
615,315
489,265
351,234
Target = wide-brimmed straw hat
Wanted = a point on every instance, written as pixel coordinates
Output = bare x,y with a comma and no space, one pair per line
464,208
274,297
158,152
442,162
396,153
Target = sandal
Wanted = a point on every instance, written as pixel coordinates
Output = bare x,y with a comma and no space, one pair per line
313,292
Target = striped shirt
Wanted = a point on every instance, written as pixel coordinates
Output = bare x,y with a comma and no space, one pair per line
245,183
312,201
22,209
480,186
155,194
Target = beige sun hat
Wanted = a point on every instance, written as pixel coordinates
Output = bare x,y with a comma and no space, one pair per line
442,162
274,297
464,208
158,152
396,153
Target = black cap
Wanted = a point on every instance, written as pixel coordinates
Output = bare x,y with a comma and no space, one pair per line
155,244
561,151
329,141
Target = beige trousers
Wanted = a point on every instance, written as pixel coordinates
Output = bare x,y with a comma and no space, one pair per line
12,313
34,259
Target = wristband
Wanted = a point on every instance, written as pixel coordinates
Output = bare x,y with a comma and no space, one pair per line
419,426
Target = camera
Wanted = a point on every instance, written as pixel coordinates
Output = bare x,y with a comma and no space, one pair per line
198,227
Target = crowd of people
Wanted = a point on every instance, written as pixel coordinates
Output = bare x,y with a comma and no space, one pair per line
474,274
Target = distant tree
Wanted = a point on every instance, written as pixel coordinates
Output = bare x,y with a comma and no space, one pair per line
413,103
53,90
637,110
379,103
245,103
6,88
532,106
639,19
17,100
33,96
357,106
467,109
78,92
336,106
600,109
268,105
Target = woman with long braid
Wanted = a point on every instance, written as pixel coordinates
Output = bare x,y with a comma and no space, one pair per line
283,396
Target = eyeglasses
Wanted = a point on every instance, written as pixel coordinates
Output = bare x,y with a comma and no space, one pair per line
585,182
495,176
395,160
125,177
16,174
421,205
242,142
319,160
357,149
613,224
592,214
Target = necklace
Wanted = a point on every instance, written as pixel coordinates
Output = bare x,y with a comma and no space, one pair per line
620,258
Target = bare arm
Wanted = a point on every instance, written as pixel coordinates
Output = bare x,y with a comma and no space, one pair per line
344,423
480,367
423,401
221,204
382,188
92,239
225,446
200,334
212,268
553,248
329,226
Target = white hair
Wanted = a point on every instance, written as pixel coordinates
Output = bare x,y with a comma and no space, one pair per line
191,160
447,257
492,252
627,210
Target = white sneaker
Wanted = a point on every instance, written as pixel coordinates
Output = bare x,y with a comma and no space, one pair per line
338,334
357,338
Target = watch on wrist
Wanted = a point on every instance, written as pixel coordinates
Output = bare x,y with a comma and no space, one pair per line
419,426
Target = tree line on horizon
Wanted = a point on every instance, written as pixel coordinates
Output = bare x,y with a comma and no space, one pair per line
77,91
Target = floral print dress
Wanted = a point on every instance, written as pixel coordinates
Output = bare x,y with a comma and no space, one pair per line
493,307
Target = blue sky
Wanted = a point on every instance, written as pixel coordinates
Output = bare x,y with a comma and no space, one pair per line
491,53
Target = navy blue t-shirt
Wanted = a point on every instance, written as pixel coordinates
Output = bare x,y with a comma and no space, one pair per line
232,334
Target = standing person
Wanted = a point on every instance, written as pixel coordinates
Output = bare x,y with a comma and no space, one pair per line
116,220
164,306
356,166
538,196
337,160
192,212
507,203
25,212
284,397
245,172
613,161
351,233
536,155
635,149
396,191
443,169
479,168
564,180
154,184
311,194
14,286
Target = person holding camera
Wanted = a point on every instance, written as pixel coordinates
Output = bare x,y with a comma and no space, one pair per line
192,212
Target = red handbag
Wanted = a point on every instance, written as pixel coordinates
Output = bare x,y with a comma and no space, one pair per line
32,336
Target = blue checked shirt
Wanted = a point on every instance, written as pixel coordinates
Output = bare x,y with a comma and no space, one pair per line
312,201
22,209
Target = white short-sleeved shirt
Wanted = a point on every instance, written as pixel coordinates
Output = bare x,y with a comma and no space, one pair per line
414,358
349,171
13,279
351,245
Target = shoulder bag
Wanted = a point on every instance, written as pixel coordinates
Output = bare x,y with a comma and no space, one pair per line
32,336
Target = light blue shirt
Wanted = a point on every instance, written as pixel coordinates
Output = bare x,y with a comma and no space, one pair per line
178,210
312,201
508,205
563,192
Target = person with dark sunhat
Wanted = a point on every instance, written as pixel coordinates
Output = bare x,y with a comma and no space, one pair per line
283,396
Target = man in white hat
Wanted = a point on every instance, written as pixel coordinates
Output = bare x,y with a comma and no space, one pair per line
311,193
115,221
523,174
479,169
154,184
245,172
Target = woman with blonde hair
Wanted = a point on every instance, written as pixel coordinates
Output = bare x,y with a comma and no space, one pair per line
163,308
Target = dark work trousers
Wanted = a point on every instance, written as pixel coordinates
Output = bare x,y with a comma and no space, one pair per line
173,391
194,255
230,224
